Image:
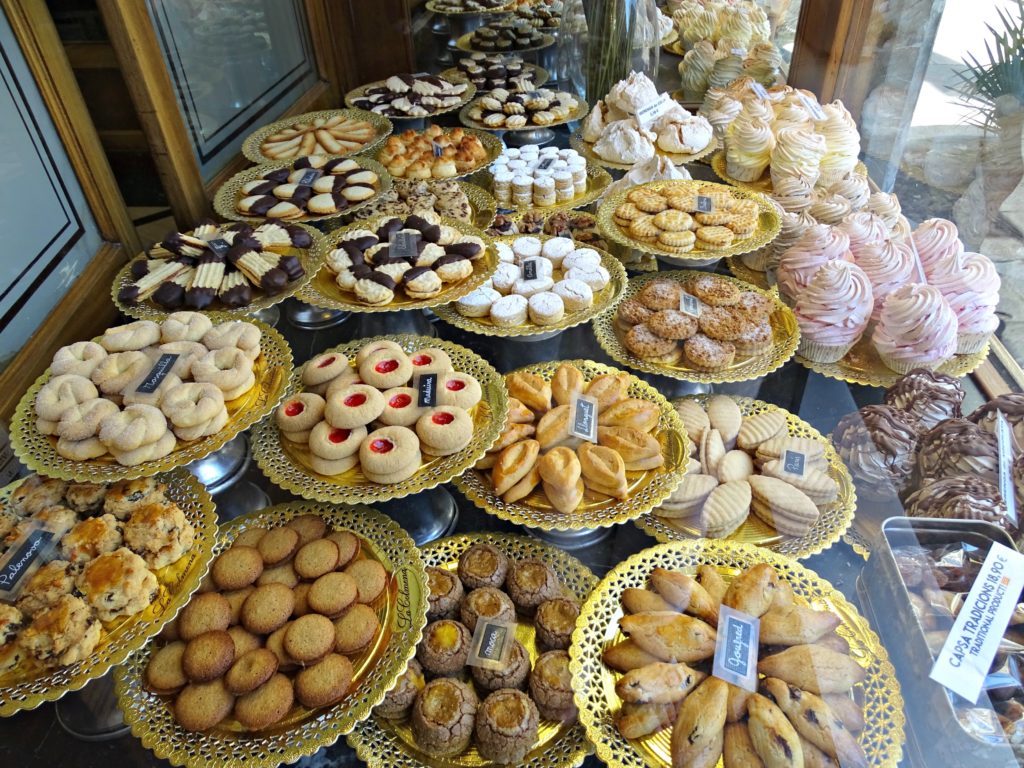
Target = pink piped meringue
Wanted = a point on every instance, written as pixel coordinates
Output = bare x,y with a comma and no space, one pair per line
864,228
937,240
833,311
817,246
916,329
888,265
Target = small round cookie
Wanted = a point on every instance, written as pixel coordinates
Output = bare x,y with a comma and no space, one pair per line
300,413
380,345
236,599
355,630
279,574
646,344
527,288
200,706
683,241
430,360
458,389
596,277
316,558
661,294
576,295
444,430
483,565
556,249
715,236
504,278
250,537
633,312
390,452
238,566
555,621
325,683
275,644
267,704
164,673
250,670
301,592
721,323
510,310
332,444
370,577
207,612
244,640
278,545
268,608
310,527
756,305
486,603
672,324
708,354
322,370
530,582
444,647
385,370
348,546
401,407
354,406
446,594
715,291
309,638
332,593
546,308
208,656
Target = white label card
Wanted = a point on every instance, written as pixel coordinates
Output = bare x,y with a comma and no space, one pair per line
583,417
648,113
1005,444
793,463
967,654
813,107
736,648
759,90
689,304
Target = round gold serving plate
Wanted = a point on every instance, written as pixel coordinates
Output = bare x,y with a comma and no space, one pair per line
38,452
252,143
577,114
483,206
598,180
226,200
463,44
311,259
746,274
764,184
862,365
785,338
858,541
586,149
383,743
508,8
597,627
29,684
285,464
491,143
356,93
672,44
323,291
835,519
538,74
768,223
603,299
402,612
646,489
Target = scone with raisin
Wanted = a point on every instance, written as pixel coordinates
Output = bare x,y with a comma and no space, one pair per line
123,497
35,494
159,532
63,634
117,584
85,498
46,586
56,519
91,538
11,623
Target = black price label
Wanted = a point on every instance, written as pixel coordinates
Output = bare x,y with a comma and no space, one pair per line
157,374
546,163
310,176
426,387
530,269
402,244
689,304
736,648
219,246
492,644
705,204
583,417
793,463
21,559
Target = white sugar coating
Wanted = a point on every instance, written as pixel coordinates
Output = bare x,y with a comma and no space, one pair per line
544,184
562,179
582,257
568,154
526,247
559,165
505,253
530,287
577,162
544,266
575,294
549,152
517,165
512,153
522,182
529,149
557,248
503,177
505,277
477,303
596,277
546,308
510,310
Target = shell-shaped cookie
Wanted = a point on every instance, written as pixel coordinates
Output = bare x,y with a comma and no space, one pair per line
782,506
692,466
688,497
712,449
759,428
735,465
725,509
818,486
694,418
725,416
776,446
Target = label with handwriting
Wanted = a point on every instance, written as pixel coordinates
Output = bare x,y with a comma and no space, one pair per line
812,106
310,175
648,113
759,90
426,389
583,417
437,149
492,644
219,246
402,244
530,269
736,648
546,163
157,374
793,463
689,304
1004,441
29,551
705,204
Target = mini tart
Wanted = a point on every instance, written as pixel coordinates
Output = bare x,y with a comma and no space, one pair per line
444,647
483,566
555,621
551,687
506,726
514,675
445,594
486,603
399,700
529,583
443,715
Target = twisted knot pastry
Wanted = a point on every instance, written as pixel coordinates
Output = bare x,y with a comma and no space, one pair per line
130,337
229,368
135,426
80,358
82,420
237,333
62,392
185,326
115,372
192,404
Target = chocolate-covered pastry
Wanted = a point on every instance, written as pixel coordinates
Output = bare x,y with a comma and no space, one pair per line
957,447
963,498
878,444
929,397
411,96
1012,407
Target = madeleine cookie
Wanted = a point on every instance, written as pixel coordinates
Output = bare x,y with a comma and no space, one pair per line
250,670
208,656
268,608
689,496
725,509
309,638
325,683
785,508
267,704
332,593
726,417
207,612
237,567
164,672
200,706
370,577
760,428
355,630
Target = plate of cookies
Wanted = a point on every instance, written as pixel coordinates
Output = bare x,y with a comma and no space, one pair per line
504,110
311,614
332,132
311,188
393,263
571,283
119,561
459,200
642,652
147,397
438,153
687,220
411,97
697,326
759,475
544,184
353,429
246,269
585,446
533,589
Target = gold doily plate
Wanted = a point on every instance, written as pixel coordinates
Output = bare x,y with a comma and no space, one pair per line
38,452
29,685
284,462
402,613
835,519
577,114
538,74
483,206
586,149
768,222
226,200
509,8
464,43
251,145
598,180
603,299
862,365
671,44
764,184
382,743
491,143
646,489
746,274
468,94
311,259
323,291
597,627
785,338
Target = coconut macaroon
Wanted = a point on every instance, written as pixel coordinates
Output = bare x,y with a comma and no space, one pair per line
506,726
445,594
399,700
159,532
443,716
117,584
63,634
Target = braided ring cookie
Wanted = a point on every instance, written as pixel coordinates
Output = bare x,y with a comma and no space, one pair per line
184,326
297,415
459,389
444,430
132,396
192,404
80,358
322,370
188,352
373,347
62,392
401,407
235,333
82,421
150,452
354,406
386,369
130,337
390,455
81,450
227,367
211,427
117,371
132,428
430,360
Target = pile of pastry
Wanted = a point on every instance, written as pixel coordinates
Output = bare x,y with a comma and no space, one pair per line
490,71
432,153
444,198
142,387
566,280
365,265
286,612
511,34
576,225
310,186
465,703
501,108
679,217
335,135
706,66
225,263
411,96
803,713
705,322
618,137
742,464
545,15
731,23
538,451
369,416
110,541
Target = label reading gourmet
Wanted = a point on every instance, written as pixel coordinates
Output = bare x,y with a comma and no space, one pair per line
157,374
736,648
583,417
492,644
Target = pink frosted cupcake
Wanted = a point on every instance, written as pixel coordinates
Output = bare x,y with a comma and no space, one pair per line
817,246
936,240
864,228
916,329
833,311
888,265
971,286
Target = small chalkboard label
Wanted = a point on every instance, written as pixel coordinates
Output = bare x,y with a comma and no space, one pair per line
530,269
421,74
426,388
310,176
219,246
546,163
437,148
402,244
705,204
506,211
793,463
26,554
736,648
583,417
689,304
157,374
492,644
